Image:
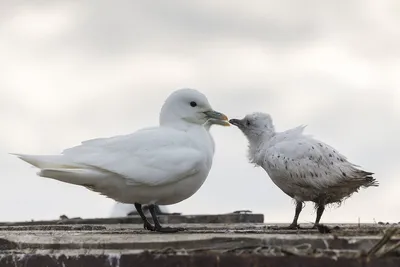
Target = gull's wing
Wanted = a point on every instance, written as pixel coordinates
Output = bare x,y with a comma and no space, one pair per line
309,162
152,156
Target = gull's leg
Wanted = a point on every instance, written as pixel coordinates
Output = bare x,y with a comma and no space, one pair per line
160,212
320,210
299,207
146,224
157,209
157,224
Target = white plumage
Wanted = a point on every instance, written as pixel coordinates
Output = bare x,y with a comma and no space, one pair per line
123,209
304,168
160,165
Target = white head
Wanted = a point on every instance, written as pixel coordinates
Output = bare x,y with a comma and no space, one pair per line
189,106
255,125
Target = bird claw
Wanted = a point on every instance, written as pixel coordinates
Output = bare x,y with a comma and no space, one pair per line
148,226
293,227
160,229
169,229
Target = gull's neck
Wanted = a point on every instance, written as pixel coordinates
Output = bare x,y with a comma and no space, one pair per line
200,136
169,118
197,132
257,141
262,137
180,125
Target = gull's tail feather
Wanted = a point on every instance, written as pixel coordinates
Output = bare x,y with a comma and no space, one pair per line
58,167
47,161
84,177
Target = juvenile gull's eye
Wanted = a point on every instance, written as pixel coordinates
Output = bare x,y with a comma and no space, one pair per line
248,123
193,104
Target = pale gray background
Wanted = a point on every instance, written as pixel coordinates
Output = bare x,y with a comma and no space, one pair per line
75,70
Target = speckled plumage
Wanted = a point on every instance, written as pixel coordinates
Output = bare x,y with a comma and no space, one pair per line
304,168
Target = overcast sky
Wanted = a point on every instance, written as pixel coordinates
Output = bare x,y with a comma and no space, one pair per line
76,70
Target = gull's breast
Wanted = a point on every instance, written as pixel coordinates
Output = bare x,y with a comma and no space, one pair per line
166,194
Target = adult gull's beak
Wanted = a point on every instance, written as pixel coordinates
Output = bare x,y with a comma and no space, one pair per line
217,117
219,122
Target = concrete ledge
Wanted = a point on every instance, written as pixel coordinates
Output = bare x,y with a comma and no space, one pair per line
213,244
169,219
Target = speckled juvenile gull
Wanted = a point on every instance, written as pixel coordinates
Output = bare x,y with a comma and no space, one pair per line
160,165
302,167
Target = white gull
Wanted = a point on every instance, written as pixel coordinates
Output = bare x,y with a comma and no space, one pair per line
161,165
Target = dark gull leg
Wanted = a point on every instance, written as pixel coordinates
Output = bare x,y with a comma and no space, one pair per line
157,224
320,211
146,224
299,207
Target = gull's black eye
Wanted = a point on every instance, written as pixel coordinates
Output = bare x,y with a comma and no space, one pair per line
248,123
193,104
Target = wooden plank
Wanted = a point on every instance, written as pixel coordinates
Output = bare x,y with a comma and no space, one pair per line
170,219
150,260
240,244
206,237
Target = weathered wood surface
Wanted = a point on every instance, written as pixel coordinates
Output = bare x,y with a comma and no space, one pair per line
202,244
170,219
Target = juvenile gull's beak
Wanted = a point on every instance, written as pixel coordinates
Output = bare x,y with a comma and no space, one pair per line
217,117
236,122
